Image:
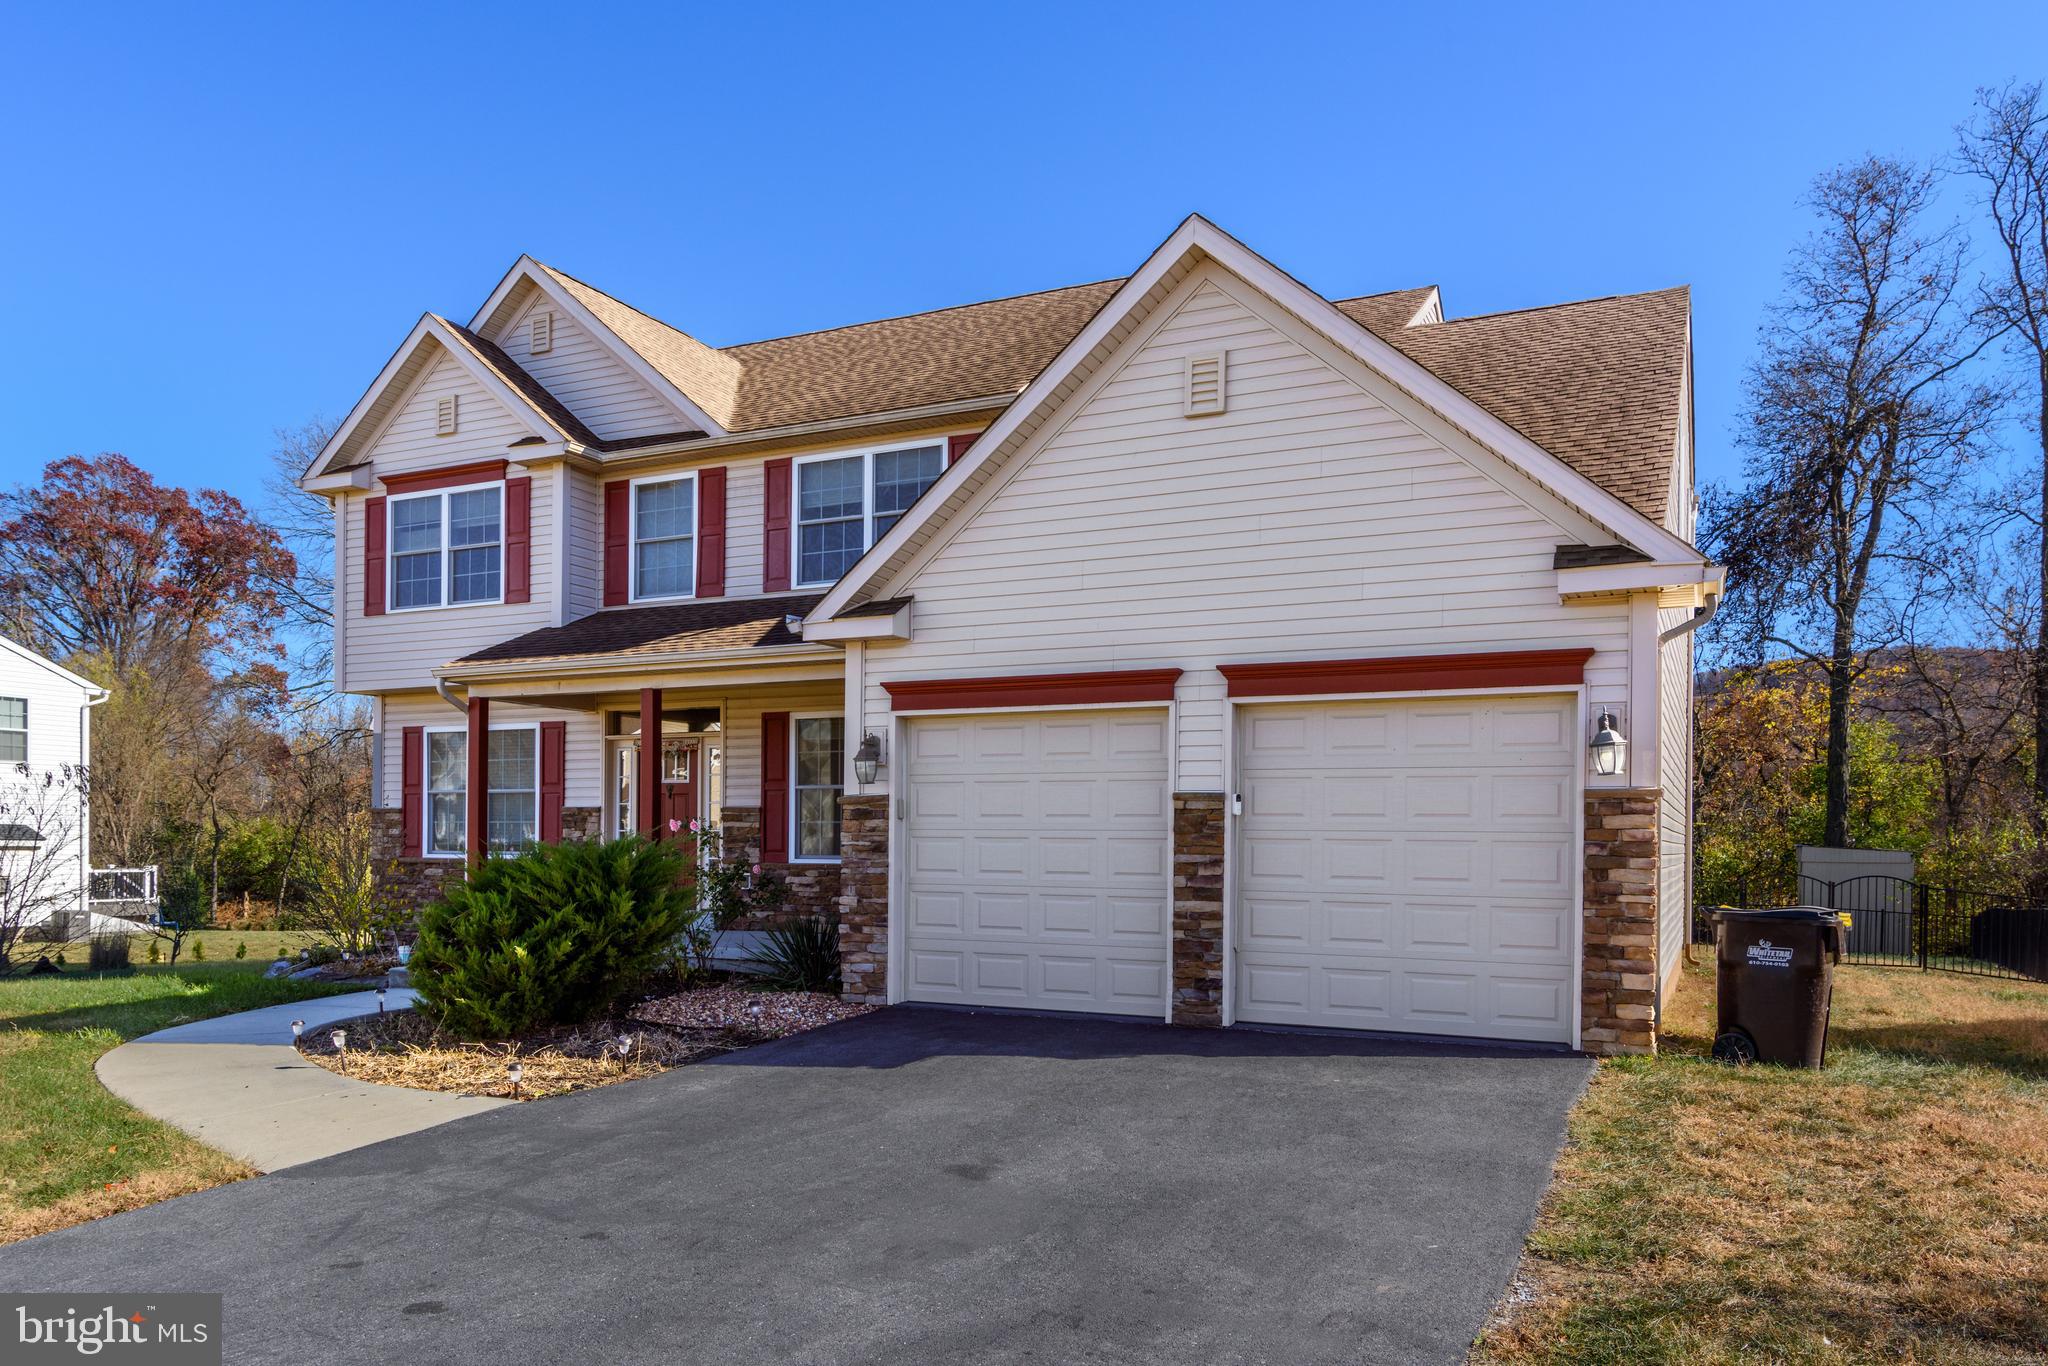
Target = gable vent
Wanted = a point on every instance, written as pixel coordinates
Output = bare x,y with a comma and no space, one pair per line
540,333
1202,392
445,415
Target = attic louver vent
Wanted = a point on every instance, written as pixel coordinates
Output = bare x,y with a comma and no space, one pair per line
1206,377
540,333
444,415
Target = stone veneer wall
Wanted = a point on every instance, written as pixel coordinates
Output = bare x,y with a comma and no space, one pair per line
410,883
864,899
813,887
1198,908
1618,990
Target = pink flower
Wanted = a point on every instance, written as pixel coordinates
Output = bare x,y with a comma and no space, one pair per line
695,827
757,869
674,826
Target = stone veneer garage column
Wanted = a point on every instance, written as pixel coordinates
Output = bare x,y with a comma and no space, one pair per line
1198,908
1618,991
864,899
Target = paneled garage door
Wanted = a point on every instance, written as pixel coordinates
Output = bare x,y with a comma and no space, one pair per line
1036,864
1409,866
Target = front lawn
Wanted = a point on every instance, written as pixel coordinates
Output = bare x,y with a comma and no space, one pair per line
1892,1206
69,1151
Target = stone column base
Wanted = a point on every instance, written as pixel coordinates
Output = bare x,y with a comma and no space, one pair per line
1618,986
864,899
1198,908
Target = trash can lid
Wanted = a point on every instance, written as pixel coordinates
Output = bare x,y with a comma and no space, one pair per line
1800,914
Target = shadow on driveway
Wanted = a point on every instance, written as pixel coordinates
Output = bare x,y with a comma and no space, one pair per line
914,1185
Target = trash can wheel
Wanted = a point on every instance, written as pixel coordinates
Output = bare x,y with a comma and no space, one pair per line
1736,1047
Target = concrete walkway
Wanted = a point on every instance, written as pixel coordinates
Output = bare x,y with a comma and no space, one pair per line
236,1083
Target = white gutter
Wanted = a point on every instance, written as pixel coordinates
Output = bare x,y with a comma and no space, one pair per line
92,699
441,687
1700,617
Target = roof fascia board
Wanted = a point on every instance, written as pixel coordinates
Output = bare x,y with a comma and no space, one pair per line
895,626
528,269
361,411
341,481
1639,578
486,669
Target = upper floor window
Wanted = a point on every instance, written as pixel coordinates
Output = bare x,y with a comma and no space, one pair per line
665,537
845,503
13,730
447,547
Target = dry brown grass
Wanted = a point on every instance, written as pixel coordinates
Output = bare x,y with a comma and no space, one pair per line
1893,1206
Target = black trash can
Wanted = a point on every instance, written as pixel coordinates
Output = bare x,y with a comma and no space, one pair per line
1774,978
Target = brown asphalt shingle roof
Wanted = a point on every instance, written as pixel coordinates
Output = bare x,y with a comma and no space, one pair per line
1598,384
640,632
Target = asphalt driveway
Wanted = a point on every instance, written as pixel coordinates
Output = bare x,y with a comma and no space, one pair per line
916,1185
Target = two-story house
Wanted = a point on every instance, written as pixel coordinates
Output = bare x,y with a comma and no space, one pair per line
1186,645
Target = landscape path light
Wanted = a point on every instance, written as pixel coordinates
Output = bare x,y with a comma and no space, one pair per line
515,1070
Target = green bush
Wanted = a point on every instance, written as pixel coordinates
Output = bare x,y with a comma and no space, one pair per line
552,936
109,953
199,950
155,955
242,949
802,955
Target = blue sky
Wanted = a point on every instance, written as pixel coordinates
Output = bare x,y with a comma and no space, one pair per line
221,220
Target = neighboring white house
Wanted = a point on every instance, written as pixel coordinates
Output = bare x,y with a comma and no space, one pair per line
1189,645
45,818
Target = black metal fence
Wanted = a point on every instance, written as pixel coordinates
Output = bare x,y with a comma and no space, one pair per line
1897,922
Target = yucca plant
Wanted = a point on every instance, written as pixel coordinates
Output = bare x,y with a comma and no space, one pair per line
551,936
800,955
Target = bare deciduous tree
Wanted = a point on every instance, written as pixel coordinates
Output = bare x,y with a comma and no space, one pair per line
2005,148
41,880
1860,421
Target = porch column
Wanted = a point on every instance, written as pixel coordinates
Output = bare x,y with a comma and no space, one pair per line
648,797
477,796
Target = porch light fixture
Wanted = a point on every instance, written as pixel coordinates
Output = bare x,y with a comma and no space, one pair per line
867,760
1609,746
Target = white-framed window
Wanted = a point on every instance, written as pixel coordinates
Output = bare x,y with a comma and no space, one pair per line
817,757
447,547
848,500
512,797
13,730
664,537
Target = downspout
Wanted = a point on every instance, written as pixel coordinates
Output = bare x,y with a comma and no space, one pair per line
93,699
441,687
1699,618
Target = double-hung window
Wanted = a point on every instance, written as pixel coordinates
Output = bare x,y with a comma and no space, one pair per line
818,748
845,503
665,537
512,796
13,730
447,547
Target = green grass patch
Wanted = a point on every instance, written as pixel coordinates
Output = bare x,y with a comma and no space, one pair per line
69,1150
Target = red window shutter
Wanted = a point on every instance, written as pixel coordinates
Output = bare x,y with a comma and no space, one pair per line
373,557
554,753
956,446
775,786
618,537
412,771
519,539
775,546
711,533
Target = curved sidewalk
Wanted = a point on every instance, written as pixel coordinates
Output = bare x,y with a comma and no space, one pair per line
237,1084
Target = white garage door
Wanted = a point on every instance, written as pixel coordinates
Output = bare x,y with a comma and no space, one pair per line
1409,866
1036,862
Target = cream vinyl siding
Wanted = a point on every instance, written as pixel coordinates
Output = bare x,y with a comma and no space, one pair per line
400,649
408,441
582,747
1674,831
743,729
746,498
1309,520
586,545
590,381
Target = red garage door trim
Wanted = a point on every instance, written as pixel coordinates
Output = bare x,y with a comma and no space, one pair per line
1410,673
1033,690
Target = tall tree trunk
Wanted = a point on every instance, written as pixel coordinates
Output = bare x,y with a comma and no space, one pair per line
1840,671
2041,627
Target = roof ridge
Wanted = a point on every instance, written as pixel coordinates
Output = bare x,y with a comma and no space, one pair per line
1565,303
926,312
579,280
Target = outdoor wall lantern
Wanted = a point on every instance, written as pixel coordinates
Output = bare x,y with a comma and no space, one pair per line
1609,746
867,760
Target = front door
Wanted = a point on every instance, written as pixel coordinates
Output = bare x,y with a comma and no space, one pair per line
681,762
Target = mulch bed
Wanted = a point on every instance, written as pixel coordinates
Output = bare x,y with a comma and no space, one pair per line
404,1048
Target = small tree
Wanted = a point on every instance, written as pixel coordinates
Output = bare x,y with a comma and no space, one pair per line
42,891
343,906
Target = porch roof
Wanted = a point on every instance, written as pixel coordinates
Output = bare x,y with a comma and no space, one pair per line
720,626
